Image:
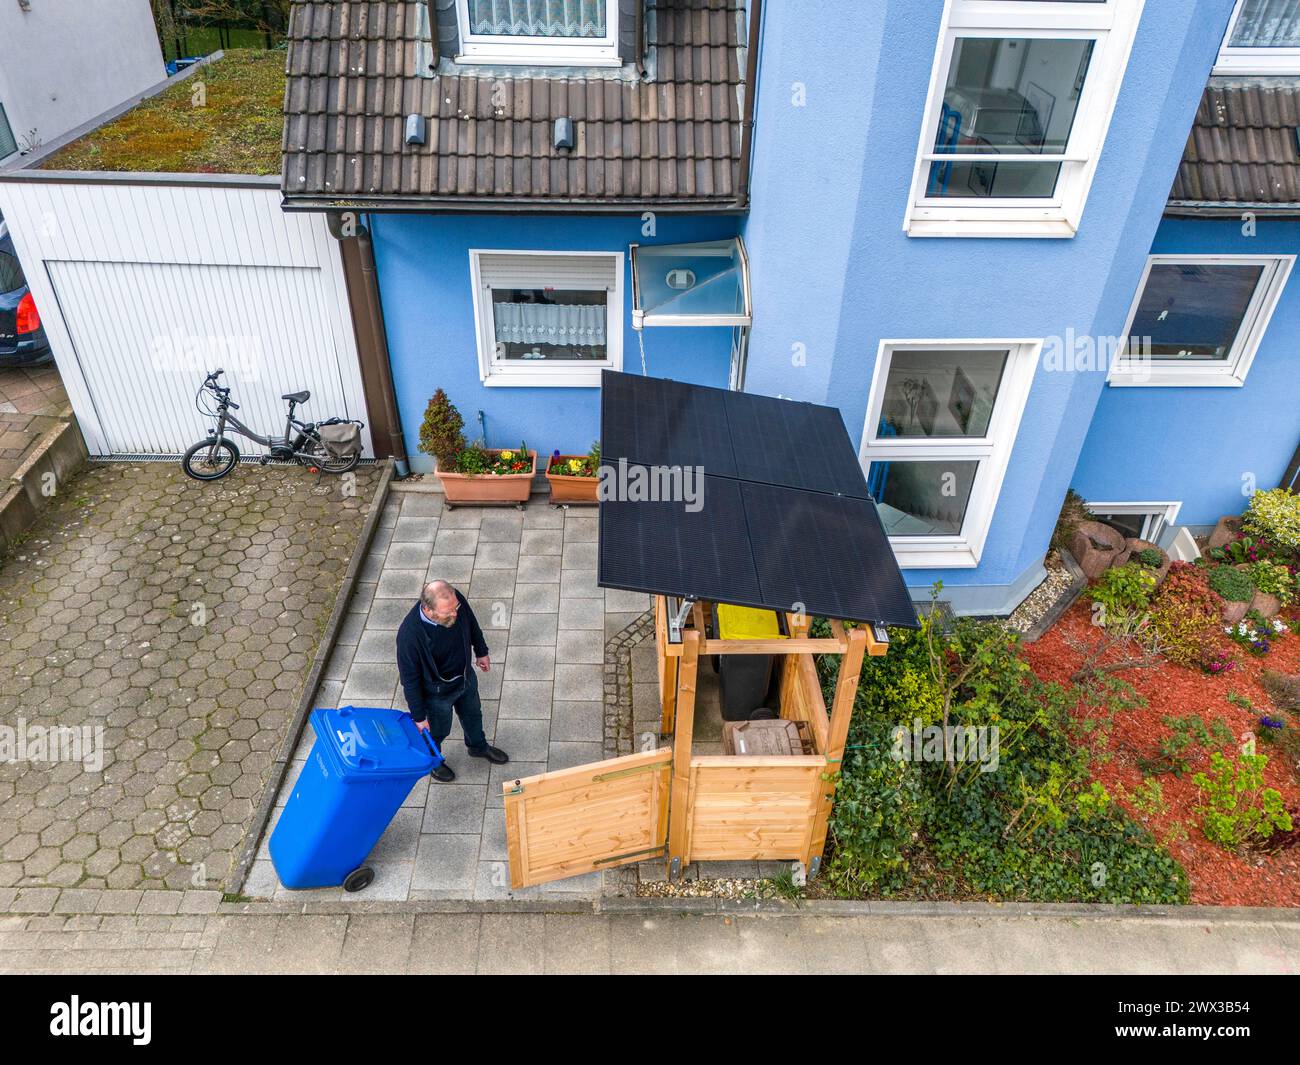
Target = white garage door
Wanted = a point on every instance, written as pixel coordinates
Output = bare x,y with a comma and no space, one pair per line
146,334
145,285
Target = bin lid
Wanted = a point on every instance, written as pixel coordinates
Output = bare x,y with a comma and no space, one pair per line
372,742
747,623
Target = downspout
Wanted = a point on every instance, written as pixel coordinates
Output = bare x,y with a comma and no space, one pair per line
374,323
751,100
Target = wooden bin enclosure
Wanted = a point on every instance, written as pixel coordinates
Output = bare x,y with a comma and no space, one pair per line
685,807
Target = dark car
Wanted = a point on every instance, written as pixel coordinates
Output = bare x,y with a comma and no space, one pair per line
22,340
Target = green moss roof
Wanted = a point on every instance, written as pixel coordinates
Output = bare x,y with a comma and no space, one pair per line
237,131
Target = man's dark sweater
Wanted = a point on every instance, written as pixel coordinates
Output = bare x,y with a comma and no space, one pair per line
428,653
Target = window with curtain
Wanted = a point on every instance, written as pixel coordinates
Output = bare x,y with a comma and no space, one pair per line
1263,38
548,318
539,31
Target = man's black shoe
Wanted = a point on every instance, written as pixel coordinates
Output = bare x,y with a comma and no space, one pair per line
495,755
443,774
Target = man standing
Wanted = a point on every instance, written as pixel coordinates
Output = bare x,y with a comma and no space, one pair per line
433,660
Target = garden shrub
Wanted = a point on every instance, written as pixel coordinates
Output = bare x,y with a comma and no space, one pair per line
1074,511
1274,516
1185,613
1150,557
1237,807
1272,578
441,432
1034,828
1232,585
1188,736
1123,590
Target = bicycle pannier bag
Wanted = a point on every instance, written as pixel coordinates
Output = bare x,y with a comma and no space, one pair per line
342,440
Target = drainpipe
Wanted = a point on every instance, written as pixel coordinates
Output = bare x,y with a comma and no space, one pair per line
374,323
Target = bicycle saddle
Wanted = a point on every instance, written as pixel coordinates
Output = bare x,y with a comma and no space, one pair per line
297,397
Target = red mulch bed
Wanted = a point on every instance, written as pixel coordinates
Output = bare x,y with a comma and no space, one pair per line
1252,878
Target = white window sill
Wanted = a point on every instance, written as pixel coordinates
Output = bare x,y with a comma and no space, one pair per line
537,59
1185,379
1058,228
553,379
912,556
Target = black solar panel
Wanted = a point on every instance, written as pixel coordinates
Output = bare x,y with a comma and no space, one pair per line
784,521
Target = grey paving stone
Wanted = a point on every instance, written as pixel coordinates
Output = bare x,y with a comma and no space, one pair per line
351,629
377,645
377,943
392,883
579,646
525,699
496,556
579,554
400,584
534,630
370,680
455,809
446,863
390,613
580,528
572,946
462,518
541,542
414,530
421,504
409,555
444,944
539,569
455,569
536,598
524,740
508,774
418,796
456,542
363,594
567,754
580,584
493,845
529,663
577,721
262,881
618,601
399,838
493,882
579,683
541,516
492,613
490,583
159,902
583,614
468,770
501,527
340,661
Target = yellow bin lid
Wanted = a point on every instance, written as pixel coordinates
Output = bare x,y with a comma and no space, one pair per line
747,623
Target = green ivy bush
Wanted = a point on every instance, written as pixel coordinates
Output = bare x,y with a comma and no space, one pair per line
1036,828
1233,585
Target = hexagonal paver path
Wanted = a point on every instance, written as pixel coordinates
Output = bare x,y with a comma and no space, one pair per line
180,619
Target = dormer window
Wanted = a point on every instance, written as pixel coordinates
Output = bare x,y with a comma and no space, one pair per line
543,32
1263,38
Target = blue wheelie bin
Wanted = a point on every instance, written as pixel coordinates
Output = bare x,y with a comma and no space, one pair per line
360,770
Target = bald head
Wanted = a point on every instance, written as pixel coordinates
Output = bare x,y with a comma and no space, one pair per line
439,597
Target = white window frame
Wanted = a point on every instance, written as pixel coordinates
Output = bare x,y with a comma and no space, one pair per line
514,373
1253,61
545,51
1112,24
1231,372
1159,516
992,451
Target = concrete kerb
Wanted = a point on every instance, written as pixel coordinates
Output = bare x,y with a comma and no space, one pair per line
59,454
280,767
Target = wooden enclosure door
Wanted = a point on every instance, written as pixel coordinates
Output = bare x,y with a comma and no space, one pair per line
590,817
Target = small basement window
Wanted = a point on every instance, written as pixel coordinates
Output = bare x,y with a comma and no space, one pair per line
559,32
548,319
1146,521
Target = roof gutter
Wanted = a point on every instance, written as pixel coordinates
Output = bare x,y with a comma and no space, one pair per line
1197,209
363,286
470,205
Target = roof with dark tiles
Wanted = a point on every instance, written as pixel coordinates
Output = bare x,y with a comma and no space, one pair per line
672,137
1243,148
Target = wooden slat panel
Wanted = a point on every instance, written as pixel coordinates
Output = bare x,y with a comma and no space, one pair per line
801,697
573,821
752,808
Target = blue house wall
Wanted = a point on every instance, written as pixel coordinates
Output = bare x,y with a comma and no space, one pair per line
1204,447
833,272
423,265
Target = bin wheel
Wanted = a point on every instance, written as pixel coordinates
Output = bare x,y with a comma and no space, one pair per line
359,879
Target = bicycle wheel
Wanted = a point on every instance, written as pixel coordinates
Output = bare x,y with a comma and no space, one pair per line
210,460
312,453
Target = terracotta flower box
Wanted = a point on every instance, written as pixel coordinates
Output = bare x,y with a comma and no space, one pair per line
489,487
570,488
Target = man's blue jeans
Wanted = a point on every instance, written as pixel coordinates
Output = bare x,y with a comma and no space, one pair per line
470,711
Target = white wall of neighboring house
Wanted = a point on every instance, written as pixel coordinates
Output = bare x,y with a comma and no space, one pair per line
62,62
